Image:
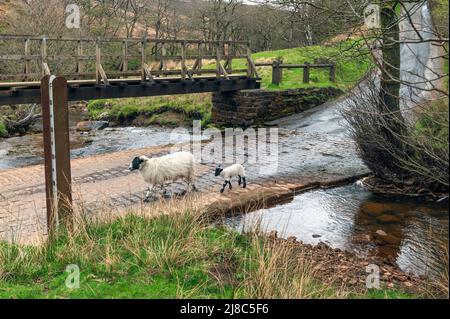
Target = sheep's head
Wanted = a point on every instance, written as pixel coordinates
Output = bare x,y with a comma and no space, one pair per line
219,170
136,163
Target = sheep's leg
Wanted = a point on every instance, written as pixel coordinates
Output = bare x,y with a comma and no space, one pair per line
245,182
164,190
240,180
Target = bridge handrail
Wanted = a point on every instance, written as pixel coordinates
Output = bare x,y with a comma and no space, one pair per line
221,51
119,39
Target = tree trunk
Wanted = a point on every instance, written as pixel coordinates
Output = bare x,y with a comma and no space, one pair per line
389,104
390,71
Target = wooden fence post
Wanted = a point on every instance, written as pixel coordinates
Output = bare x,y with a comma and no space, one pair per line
306,71
218,59
333,73
277,72
58,178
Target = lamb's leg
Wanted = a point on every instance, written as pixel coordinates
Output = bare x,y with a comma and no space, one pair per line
240,180
224,185
192,187
245,182
229,183
147,197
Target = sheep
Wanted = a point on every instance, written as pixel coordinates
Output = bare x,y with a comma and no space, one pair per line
169,168
228,173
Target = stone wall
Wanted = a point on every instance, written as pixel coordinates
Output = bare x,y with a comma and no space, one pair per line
254,107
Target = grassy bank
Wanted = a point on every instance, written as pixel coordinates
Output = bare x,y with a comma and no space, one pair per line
176,110
181,110
176,255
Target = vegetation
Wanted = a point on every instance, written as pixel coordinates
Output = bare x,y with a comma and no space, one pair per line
351,65
154,110
176,255
3,130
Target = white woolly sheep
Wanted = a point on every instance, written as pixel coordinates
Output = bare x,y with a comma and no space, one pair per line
228,173
169,168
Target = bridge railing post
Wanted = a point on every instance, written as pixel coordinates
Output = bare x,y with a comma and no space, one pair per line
98,55
27,58
183,61
79,57
143,58
45,67
125,56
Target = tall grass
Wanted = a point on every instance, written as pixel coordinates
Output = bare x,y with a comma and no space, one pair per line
169,250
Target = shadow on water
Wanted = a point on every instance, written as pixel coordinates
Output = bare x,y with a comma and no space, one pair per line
412,233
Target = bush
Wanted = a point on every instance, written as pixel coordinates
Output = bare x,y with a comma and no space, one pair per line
404,152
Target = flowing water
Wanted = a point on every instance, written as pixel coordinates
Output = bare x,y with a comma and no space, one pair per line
29,149
411,232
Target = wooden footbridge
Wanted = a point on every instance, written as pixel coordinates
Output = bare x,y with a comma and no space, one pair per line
122,67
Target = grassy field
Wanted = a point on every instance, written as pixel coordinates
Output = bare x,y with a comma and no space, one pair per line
182,109
351,65
175,255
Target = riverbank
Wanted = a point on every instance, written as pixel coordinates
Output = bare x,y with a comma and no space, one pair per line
180,255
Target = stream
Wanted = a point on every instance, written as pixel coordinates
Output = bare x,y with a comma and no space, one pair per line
412,233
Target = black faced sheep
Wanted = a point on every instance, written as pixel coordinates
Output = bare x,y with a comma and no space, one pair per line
169,168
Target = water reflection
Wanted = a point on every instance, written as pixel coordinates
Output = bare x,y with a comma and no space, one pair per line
414,234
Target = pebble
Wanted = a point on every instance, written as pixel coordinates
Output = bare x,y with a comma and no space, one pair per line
381,232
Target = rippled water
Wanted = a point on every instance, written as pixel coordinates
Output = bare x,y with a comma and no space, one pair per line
350,217
29,149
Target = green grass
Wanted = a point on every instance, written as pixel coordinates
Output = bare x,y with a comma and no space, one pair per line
190,107
3,130
351,61
172,256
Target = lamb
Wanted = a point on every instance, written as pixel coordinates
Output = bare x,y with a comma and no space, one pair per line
228,173
169,168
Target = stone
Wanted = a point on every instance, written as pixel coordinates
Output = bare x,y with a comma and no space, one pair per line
292,239
87,126
381,232
259,106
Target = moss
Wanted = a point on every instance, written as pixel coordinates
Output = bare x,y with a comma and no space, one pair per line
3,130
